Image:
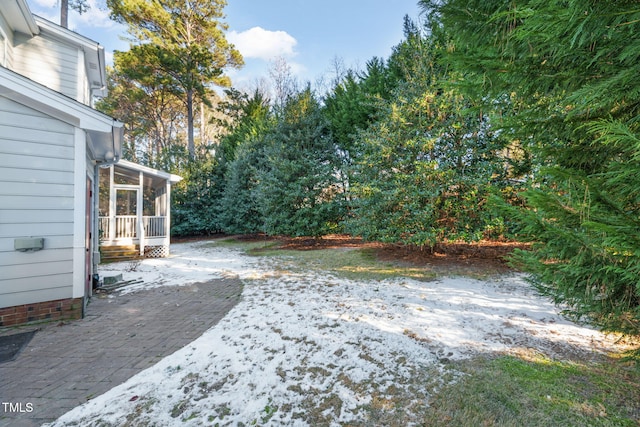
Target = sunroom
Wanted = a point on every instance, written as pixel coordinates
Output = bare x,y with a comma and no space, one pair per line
135,214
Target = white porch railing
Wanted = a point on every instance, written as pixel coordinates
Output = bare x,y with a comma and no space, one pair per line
125,227
155,226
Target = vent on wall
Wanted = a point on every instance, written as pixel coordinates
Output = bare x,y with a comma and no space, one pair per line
28,244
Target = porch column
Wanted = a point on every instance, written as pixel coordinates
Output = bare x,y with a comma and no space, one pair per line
112,204
140,212
167,222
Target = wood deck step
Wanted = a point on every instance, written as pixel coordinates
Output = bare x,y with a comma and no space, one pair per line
119,253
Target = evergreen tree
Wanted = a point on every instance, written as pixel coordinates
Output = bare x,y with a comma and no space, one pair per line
242,155
353,103
569,71
195,200
424,170
240,211
299,190
251,119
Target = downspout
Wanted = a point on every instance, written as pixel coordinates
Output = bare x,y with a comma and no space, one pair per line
96,203
96,224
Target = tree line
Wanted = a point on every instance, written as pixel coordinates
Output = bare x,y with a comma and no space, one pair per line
489,120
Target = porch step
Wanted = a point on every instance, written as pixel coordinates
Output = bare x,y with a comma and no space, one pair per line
119,253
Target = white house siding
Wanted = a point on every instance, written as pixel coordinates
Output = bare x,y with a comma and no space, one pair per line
3,48
6,43
36,200
84,91
48,62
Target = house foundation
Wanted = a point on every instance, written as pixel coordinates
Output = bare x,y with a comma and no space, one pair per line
64,309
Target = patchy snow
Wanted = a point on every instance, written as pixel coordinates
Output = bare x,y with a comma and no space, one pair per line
188,263
306,348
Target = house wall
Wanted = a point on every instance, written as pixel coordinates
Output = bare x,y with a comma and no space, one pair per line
3,47
51,63
84,90
6,43
37,190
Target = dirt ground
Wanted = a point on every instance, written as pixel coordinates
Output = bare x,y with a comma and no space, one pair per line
478,258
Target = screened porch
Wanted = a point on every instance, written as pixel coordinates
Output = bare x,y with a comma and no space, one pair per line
134,208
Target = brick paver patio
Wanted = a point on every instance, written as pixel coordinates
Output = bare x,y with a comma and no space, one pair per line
67,364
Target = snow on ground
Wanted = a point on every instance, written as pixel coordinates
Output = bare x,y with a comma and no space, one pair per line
188,263
309,348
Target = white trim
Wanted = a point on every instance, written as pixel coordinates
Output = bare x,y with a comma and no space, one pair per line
19,16
81,84
4,48
140,212
65,34
167,233
79,212
41,98
149,171
93,52
112,204
105,134
95,227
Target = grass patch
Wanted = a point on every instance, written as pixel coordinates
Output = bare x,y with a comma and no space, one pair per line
354,264
349,263
365,262
509,391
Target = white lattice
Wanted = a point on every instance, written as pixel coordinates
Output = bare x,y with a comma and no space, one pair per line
156,251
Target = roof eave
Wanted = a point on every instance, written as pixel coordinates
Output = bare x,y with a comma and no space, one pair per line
104,133
94,53
150,171
19,17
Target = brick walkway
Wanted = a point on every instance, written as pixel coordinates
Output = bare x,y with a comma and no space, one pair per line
65,365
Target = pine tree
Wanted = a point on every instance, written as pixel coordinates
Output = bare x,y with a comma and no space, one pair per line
80,6
145,101
188,42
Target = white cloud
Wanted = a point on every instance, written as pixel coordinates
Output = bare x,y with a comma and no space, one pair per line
263,44
96,16
108,57
297,68
46,3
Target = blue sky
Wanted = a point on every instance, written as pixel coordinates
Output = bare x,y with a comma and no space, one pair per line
308,34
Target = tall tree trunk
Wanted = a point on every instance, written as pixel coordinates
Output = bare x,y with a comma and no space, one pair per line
64,11
203,126
191,144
